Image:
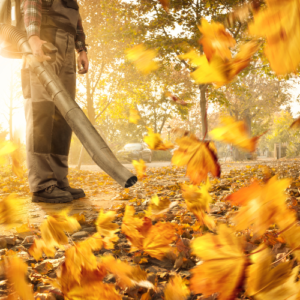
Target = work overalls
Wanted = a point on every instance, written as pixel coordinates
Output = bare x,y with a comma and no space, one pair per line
48,136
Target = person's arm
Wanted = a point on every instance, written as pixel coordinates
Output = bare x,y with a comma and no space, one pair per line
82,60
33,20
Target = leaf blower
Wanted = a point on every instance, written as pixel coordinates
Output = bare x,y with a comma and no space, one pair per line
14,44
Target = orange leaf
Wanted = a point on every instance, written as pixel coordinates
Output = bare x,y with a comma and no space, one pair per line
216,40
176,289
104,223
200,158
9,210
165,4
236,133
223,267
279,23
155,142
264,206
134,116
157,206
16,271
39,247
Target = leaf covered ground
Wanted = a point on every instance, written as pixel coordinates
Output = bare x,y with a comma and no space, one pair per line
146,244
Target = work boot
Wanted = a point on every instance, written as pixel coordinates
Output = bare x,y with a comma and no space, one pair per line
76,193
52,194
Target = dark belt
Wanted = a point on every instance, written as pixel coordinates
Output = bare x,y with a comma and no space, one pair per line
48,22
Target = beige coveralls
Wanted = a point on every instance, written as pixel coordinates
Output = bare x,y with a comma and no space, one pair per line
48,136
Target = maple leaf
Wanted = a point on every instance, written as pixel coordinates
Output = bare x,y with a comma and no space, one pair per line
200,158
157,206
267,283
295,124
224,264
6,148
155,141
157,240
176,99
134,116
216,70
292,237
128,276
241,13
142,59
176,289
263,207
197,201
279,23
39,247
236,133
53,228
9,210
216,40
104,223
140,168
16,271
165,4
153,240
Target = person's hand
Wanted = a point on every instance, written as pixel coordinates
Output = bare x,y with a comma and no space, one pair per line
36,46
82,62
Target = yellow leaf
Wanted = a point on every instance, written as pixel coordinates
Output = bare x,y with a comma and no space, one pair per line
17,162
157,206
10,210
216,40
153,240
155,141
16,271
176,289
53,229
104,223
142,59
279,23
268,283
217,71
200,158
39,247
127,276
264,207
140,168
134,116
197,201
236,133
79,217
223,267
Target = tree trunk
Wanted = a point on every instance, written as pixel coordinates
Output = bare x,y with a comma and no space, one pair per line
203,89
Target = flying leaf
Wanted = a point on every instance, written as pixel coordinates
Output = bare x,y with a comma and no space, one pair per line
223,267
267,283
295,124
197,201
16,271
142,59
236,133
263,207
241,13
279,23
165,4
140,168
176,289
134,116
53,229
39,247
216,40
6,148
157,206
155,142
200,158
176,99
127,276
9,210
216,70
104,223
17,161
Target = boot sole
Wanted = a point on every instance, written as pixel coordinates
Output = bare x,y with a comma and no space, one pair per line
77,196
53,200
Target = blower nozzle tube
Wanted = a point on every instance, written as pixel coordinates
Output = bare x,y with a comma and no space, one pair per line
75,117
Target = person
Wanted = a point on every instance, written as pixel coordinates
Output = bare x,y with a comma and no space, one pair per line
48,136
